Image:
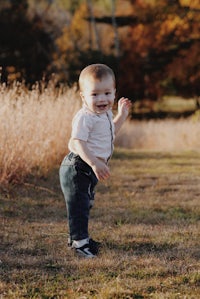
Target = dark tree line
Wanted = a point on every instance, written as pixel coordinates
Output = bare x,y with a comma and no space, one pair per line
25,46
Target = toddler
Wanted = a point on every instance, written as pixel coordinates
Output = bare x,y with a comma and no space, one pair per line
91,147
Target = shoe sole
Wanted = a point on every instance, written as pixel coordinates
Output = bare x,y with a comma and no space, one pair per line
81,253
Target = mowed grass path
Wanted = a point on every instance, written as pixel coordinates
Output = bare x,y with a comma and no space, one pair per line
147,216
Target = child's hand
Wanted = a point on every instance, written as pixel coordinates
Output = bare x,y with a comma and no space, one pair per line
101,170
124,105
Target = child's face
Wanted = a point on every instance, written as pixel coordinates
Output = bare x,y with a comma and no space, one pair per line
98,95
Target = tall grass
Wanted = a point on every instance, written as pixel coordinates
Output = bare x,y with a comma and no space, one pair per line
35,128
167,135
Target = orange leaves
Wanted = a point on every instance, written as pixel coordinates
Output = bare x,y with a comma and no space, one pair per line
164,46
158,39
171,23
190,3
75,35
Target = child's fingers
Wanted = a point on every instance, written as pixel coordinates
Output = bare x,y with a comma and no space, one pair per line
125,101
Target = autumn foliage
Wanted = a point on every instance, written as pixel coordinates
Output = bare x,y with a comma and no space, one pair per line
152,45
161,50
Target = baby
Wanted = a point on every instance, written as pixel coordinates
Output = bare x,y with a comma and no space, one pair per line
91,147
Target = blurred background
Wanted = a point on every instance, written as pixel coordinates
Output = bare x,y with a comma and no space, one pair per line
152,45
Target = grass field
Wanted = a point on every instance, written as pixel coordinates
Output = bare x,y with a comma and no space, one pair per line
147,216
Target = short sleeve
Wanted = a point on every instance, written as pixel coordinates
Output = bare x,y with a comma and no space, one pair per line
81,126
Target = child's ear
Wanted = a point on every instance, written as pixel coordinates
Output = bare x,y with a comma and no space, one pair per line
81,95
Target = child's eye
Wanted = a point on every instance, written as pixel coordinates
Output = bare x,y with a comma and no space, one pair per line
94,94
107,93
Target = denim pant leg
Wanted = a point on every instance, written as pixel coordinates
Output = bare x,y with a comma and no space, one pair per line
77,183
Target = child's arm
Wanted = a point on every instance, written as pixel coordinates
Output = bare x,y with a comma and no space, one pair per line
124,106
99,167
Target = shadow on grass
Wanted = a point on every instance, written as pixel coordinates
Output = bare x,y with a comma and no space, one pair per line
36,200
163,251
142,248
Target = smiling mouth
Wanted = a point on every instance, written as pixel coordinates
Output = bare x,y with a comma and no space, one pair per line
102,106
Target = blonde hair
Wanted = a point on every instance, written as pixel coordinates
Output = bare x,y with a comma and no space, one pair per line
96,71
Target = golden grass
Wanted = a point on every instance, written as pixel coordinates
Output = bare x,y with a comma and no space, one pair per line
35,128
169,135
36,125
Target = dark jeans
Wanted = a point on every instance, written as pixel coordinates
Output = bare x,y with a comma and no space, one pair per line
77,181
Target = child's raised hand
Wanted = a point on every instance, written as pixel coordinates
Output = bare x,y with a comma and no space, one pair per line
124,105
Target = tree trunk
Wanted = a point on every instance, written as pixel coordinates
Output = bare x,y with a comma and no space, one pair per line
116,36
94,26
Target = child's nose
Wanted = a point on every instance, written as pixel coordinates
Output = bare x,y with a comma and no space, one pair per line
102,97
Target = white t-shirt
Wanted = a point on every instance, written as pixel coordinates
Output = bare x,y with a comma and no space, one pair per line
96,129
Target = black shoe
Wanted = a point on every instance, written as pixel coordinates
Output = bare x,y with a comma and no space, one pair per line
84,251
94,245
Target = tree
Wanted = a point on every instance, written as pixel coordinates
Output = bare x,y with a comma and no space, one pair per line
153,37
25,45
81,44
161,37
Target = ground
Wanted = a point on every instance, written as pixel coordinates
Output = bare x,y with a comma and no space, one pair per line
147,215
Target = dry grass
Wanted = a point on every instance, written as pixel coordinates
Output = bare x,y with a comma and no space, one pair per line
36,124
146,215
161,135
35,127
